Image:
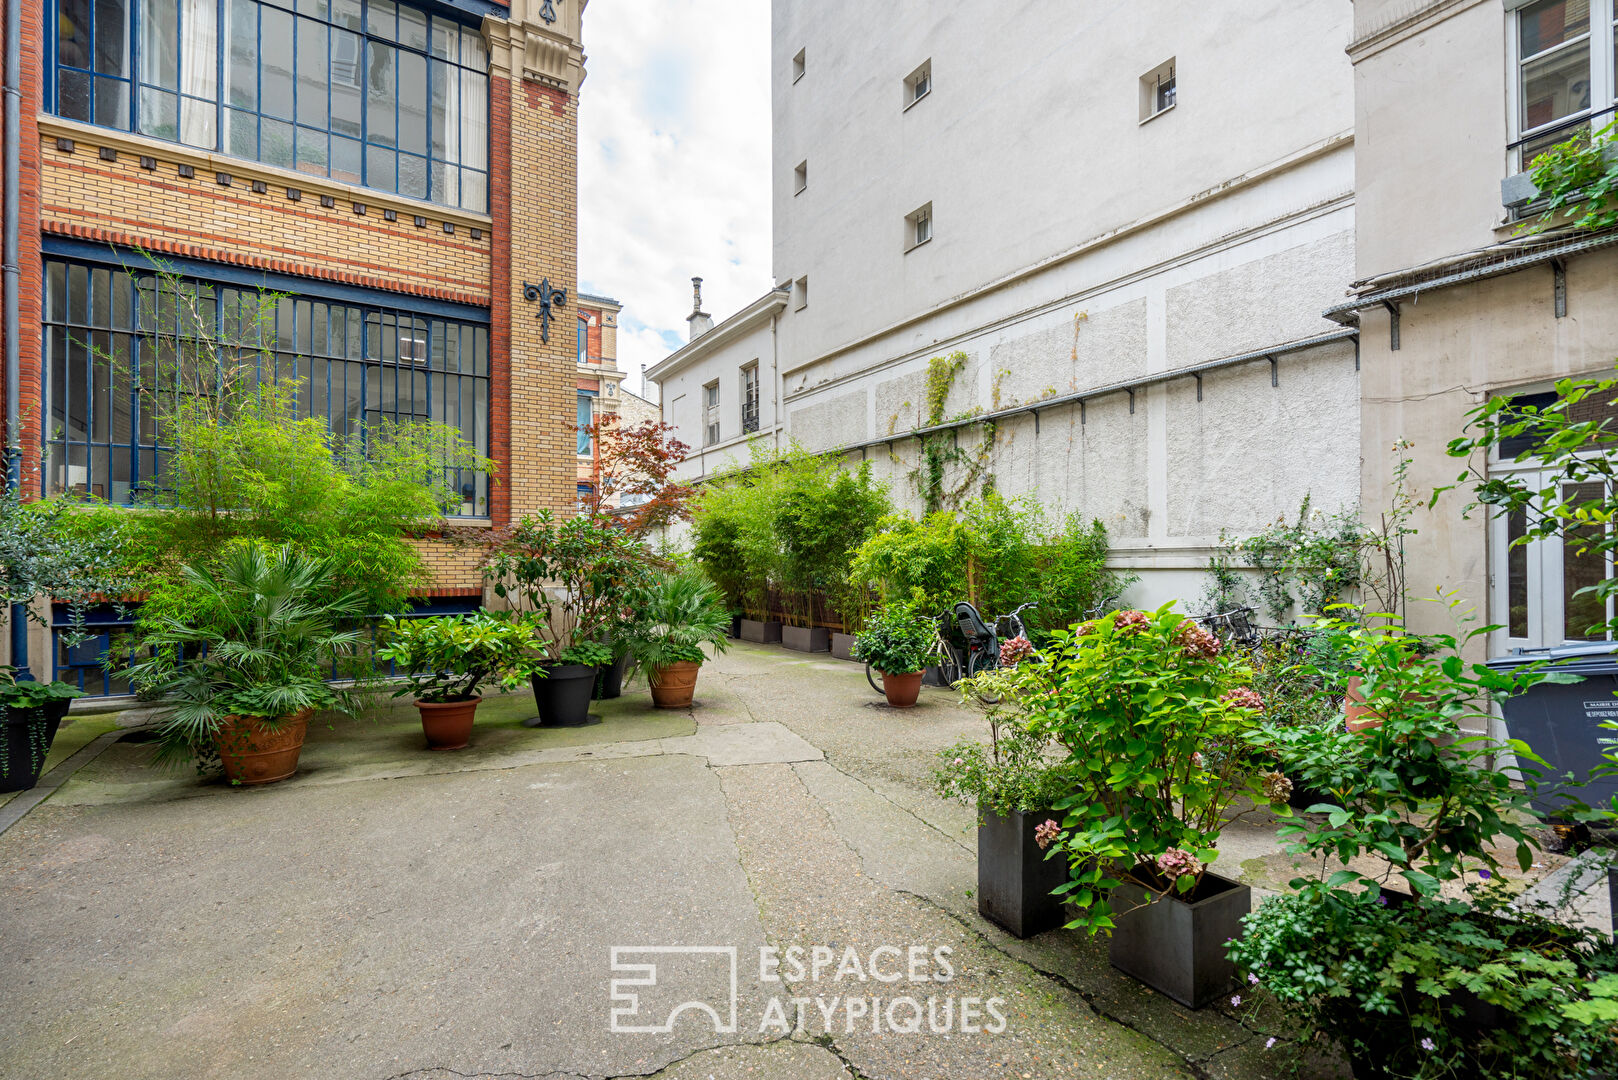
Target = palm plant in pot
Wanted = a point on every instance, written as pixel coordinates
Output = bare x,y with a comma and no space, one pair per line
573,576
1153,716
447,660
678,615
896,642
243,666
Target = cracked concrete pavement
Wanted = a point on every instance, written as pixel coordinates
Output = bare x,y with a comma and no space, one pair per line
396,913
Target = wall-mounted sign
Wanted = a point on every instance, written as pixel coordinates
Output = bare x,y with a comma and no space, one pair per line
546,296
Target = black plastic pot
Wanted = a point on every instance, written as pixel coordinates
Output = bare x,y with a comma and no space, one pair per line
1177,946
25,738
610,679
1015,878
563,695
736,627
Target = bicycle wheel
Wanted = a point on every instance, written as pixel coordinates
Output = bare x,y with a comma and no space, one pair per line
874,684
977,664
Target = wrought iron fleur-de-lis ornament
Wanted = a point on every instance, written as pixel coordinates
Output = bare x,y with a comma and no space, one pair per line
546,297
547,12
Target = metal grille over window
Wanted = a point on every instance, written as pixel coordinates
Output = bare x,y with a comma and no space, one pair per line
364,91
114,339
750,399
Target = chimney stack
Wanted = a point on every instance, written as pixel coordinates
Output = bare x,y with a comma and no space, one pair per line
701,322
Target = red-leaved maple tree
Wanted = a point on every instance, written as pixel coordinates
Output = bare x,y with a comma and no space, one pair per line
631,477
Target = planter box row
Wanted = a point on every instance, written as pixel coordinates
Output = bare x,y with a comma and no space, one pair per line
809,639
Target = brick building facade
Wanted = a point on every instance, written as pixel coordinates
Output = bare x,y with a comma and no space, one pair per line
403,176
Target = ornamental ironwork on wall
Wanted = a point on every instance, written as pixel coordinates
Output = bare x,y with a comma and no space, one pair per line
547,297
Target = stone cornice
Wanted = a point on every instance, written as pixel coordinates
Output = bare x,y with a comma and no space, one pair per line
537,48
1423,17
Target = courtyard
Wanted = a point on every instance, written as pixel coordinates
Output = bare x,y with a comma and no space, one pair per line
389,913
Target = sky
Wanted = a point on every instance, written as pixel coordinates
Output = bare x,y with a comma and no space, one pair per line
674,164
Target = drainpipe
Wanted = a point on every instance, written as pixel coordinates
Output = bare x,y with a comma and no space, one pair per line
13,281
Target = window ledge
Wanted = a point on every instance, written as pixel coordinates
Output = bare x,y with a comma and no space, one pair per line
916,101
207,161
1154,116
914,246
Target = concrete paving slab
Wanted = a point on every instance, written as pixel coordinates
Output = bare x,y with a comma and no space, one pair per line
744,744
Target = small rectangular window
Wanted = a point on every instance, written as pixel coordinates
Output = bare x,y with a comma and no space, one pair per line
710,414
1157,90
797,65
918,84
587,405
918,227
750,398
800,294
800,178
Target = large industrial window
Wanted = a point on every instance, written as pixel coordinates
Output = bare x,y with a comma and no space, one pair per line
1565,72
110,335
364,91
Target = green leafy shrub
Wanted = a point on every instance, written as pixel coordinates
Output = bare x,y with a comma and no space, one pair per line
897,640
450,658
1074,583
1018,770
907,560
1153,715
253,642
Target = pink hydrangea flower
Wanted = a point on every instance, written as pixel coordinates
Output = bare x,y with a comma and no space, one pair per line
1277,788
1196,759
1175,863
1197,643
1015,649
1244,698
1130,621
1046,832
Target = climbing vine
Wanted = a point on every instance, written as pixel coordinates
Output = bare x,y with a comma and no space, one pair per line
939,449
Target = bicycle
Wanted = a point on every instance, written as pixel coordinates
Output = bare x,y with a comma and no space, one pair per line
1232,626
979,648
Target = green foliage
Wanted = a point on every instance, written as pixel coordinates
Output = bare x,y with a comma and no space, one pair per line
1417,793
1311,562
1018,769
1143,704
46,549
940,449
23,696
1578,180
1301,678
253,642
1401,988
1073,583
675,617
897,640
1002,554
451,658
574,574
587,654
907,559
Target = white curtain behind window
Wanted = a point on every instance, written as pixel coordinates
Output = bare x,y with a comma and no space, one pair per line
199,59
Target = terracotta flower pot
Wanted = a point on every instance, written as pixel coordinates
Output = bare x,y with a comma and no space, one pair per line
448,724
252,753
674,685
902,690
1361,717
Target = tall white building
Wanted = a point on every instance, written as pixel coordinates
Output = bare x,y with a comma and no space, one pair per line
1127,216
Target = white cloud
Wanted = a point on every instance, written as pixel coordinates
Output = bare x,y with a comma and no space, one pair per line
674,163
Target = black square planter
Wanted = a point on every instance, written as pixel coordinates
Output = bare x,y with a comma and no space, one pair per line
1175,946
761,633
842,645
1015,878
806,638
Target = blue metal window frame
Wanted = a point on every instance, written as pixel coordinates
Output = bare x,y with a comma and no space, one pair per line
377,365
462,15
584,340
586,442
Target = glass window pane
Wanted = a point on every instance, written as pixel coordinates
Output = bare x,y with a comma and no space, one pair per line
311,150
345,160
199,62
276,62
1516,576
413,91
1584,616
446,121
381,19
317,8
159,114
73,33
445,181
112,38
241,68
473,53
275,142
112,103
159,32
474,120
1556,86
346,83
381,123
313,64
413,28
379,168
413,176
73,95
199,123
1550,22
446,40
474,191
346,13
241,133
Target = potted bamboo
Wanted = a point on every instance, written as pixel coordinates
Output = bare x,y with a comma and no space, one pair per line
897,643
447,660
243,667
679,614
